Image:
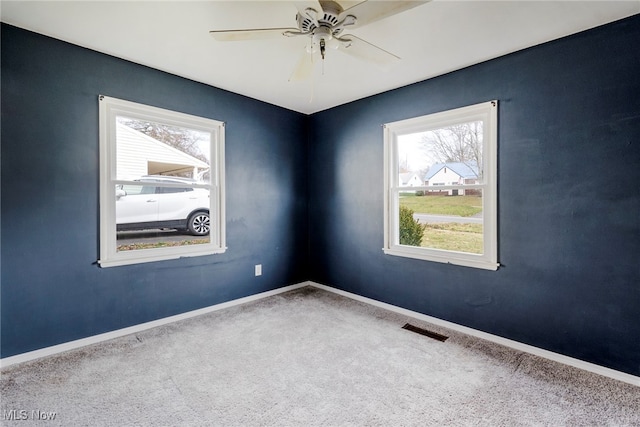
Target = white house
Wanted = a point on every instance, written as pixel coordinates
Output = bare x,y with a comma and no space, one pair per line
410,179
139,155
453,173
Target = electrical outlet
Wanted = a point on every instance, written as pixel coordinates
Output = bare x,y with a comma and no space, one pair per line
258,269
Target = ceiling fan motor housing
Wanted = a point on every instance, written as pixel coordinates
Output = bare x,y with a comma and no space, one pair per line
311,20
331,11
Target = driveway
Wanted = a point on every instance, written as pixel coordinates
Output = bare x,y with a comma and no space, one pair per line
425,218
155,236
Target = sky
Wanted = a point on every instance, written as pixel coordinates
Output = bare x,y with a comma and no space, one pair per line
413,152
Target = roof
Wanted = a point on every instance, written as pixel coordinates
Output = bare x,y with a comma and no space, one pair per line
465,170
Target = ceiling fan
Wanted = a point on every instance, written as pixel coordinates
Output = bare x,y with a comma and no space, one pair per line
323,23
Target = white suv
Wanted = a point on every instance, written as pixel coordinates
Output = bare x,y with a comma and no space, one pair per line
147,206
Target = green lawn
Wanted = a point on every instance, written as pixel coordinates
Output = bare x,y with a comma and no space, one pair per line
453,237
443,205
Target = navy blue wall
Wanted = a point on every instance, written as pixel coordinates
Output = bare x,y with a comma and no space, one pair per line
52,291
569,199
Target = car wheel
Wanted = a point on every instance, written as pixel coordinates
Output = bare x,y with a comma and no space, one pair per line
199,224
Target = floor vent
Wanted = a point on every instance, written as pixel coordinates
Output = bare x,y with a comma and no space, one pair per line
424,332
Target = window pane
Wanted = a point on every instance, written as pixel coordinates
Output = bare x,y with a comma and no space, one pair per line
161,214
439,217
449,155
147,148
152,216
442,221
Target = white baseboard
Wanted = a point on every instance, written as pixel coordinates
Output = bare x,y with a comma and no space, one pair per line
71,345
576,363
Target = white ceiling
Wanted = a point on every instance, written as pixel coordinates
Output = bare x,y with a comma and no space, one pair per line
432,39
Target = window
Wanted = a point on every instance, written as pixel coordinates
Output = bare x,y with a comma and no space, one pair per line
453,217
161,184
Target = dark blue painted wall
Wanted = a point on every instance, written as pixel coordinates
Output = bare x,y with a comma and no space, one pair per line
51,290
569,199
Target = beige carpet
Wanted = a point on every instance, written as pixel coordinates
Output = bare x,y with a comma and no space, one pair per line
308,358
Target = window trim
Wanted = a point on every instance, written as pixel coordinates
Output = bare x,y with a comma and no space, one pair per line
109,109
488,113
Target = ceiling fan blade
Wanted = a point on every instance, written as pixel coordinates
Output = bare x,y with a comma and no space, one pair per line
250,34
303,5
366,51
304,67
371,11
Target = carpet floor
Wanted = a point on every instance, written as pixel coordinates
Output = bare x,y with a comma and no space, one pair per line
307,358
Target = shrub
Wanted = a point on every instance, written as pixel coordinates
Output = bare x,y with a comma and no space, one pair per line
411,231
420,193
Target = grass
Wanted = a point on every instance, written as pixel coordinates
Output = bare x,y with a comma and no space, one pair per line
443,205
137,246
453,236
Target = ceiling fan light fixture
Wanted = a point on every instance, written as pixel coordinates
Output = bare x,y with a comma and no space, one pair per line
322,33
344,42
311,48
321,36
333,43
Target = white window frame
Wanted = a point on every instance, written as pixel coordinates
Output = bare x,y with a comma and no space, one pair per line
486,112
110,109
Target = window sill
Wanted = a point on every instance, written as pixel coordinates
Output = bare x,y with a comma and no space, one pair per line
465,260
142,257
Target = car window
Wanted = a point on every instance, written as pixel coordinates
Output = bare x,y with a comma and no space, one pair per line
148,189
164,190
132,190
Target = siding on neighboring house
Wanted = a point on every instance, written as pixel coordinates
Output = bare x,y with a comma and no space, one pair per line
139,154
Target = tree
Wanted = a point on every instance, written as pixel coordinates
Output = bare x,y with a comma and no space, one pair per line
403,166
456,143
411,231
